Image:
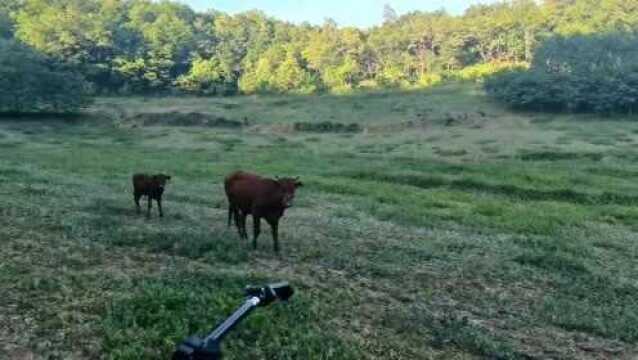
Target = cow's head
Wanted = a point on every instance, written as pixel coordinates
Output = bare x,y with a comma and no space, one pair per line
161,180
289,185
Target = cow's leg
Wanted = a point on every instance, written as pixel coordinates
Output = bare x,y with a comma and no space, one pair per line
150,205
256,229
274,226
237,214
159,206
242,218
231,214
137,196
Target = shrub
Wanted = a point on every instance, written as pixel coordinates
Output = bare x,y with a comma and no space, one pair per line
392,76
593,73
368,84
342,90
481,71
206,77
31,83
428,80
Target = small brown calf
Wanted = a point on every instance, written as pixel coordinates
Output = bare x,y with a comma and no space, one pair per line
151,186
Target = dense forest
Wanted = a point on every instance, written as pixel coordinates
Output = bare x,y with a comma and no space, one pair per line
142,46
581,73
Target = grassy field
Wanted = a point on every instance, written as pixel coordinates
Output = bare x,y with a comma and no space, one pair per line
440,225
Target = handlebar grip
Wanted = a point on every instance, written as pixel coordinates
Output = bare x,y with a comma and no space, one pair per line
194,348
267,294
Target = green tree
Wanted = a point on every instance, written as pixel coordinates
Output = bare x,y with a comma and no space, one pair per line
389,14
145,45
580,73
7,8
290,76
30,82
241,40
167,39
205,77
260,76
79,32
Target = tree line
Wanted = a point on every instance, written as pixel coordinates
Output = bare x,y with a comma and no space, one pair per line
143,46
581,73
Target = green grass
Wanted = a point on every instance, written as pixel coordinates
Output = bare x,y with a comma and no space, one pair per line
447,227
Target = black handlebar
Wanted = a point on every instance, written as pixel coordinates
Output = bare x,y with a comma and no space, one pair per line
208,348
270,293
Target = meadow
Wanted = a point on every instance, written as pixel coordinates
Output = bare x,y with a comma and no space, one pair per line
432,224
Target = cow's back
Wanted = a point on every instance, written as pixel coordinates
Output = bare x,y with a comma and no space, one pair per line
244,189
140,182
237,177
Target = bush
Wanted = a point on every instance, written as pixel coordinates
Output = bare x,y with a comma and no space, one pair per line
595,73
327,127
392,77
368,84
205,77
429,80
32,83
480,72
342,90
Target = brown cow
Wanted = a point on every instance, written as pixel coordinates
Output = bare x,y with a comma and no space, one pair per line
151,186
262,198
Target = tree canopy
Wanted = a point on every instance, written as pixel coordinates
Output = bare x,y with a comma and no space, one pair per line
134,46
30,82
581,73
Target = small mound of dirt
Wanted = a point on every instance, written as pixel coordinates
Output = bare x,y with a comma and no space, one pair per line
184,119
558,156
327,127
228,106
473,120
450,152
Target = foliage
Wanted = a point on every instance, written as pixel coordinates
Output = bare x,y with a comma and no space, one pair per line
145,46
165,33
204,77
428,80
485,70
279,70
29,82
7,7
583,73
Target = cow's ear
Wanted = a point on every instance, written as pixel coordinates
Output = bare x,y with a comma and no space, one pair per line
168,177
298,184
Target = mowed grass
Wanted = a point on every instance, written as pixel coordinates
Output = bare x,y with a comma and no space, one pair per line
447,227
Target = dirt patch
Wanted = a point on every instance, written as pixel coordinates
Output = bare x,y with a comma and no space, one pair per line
327,127
185,119
398,126
512,191
228,106
613,172
557,156
472,120
449,152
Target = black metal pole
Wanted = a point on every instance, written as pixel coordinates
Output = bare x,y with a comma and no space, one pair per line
196,348
222,330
